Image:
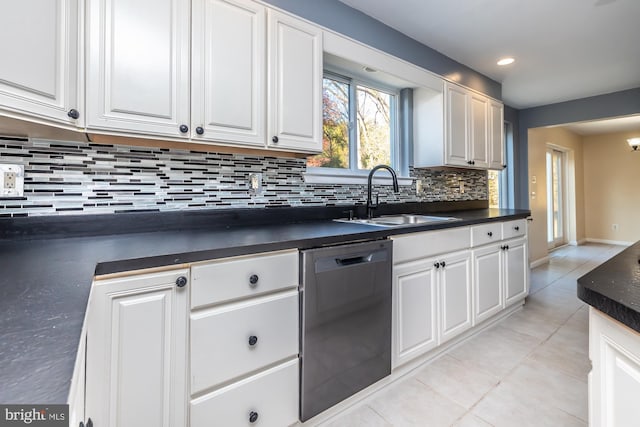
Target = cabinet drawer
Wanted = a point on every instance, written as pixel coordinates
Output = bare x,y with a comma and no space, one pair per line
233,278
420,245
221,346
272,395
486,233
515,228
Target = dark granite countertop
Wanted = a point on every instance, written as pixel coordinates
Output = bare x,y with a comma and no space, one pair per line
48,267
614,287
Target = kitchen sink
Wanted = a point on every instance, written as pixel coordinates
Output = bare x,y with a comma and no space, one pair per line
401,220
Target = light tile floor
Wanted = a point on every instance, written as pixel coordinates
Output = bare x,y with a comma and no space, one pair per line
528,370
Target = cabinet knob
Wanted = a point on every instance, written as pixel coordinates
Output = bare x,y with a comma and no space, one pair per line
436,265
184,128
275,139
181,282
442,264
253,340
504,166
506,247
502,247
89,423
469,162
200,130
253,417
74,114
516,228
490,234
253,280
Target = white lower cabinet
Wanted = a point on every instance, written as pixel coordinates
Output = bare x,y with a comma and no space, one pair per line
516,274
614,380
267,399
415,303
253,334
487,280
501,277
455,294
432,303
447,281
136,366
230,361
245,341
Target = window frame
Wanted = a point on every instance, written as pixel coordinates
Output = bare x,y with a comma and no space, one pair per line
397,147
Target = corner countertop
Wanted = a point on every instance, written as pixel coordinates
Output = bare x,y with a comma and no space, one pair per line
614,287
46,279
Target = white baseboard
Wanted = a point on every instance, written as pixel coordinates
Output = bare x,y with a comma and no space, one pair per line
609,242
578,242
539,262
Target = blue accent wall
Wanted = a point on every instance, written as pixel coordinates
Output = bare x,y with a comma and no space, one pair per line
623,103
352,23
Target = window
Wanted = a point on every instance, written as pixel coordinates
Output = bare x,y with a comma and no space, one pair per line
500,182
359,126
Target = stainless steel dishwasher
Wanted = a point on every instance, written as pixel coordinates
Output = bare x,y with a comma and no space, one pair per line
346,322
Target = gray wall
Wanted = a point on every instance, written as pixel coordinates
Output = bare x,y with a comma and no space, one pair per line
611,105
345,20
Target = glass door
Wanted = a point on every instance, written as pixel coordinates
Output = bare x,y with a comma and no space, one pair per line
556,235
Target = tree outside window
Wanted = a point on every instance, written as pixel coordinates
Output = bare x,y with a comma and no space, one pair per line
369,142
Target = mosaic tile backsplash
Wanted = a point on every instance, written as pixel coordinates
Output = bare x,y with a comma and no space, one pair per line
79,178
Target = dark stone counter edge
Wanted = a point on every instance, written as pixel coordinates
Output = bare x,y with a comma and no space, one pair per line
368,233
615,309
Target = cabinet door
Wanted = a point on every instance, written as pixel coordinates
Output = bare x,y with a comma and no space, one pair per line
487,280
138,66
39,51
455,295
295,84
516,270
137,351
496,135
479,106
614,380
229,71
415,305
457,121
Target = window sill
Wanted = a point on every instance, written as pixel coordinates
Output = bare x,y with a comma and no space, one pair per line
350,177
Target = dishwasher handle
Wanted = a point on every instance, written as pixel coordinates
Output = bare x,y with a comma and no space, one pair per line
354,260
350,259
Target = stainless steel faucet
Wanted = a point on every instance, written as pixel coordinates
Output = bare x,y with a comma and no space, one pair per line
370,205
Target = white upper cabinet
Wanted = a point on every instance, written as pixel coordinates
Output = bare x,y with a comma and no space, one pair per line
228,93
473,129
138,66
457,125
479,148
295,84
39,51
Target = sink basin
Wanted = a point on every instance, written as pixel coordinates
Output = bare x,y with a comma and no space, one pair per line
401,220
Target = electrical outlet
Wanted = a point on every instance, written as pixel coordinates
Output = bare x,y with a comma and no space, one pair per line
461,187
419,187
255,183
614,227
11,180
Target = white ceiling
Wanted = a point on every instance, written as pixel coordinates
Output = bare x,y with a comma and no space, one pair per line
595,127
564,49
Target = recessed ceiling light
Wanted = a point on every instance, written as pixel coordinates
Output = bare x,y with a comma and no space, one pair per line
506,61
369,69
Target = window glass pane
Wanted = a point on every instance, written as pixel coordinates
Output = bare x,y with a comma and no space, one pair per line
335,126
374,127
494,188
